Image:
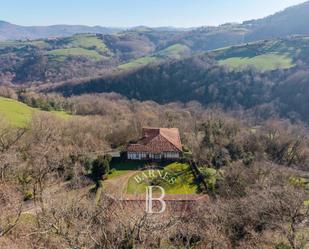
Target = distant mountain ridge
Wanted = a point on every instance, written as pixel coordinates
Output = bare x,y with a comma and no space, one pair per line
291,21
9,31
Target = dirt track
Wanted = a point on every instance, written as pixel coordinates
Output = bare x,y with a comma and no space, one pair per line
117,187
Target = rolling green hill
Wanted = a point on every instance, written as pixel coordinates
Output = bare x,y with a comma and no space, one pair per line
87,42
61,59
263,62
265,55
54,60
140,62
176,51
89,46
202,78
19,114
92,54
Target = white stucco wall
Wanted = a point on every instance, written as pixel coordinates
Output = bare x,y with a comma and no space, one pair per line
144,155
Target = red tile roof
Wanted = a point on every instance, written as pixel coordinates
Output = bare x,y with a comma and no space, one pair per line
158,140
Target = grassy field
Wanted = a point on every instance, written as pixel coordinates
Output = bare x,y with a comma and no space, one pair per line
261,62
184,183
19,44
174,52
15,112
76,52
19,114
89,46
87,42
264,55
138,63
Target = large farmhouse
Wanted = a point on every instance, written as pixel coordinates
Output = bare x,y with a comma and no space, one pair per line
156,144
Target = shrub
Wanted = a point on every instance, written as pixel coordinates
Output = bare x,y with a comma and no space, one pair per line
28,195
282,245
100,167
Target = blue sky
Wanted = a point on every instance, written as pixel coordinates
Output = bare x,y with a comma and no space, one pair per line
128,13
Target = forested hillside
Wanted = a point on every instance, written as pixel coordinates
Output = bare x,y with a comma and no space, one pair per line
55,175
79,56
291,21
94,52
256,76
202,78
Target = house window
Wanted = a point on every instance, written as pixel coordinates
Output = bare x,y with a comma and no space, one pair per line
157,156
134,155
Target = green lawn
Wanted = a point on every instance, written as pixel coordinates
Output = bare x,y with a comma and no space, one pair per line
184,183
263,62
19,114
119,168
76,52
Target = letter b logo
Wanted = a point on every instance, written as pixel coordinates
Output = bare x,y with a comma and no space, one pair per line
150,199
